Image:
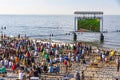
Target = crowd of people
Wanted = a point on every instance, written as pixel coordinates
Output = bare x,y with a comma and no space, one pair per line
30,58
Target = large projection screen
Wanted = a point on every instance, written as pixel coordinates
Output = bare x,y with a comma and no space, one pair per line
88,25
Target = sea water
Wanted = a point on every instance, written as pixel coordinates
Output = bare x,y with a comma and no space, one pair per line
41,26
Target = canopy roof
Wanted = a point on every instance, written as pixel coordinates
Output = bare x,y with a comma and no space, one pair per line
88,12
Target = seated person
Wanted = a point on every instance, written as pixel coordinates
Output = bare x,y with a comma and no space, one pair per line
56,59
91,62
72,58
36,73
51,61
57,69
30,74
50,69
45,69
106,59
61,59
66,58
21,75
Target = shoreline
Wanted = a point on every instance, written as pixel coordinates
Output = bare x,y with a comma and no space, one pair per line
93,44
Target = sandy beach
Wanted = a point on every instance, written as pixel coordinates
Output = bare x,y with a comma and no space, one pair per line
103,70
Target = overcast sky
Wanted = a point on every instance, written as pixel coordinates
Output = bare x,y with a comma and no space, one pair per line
109,7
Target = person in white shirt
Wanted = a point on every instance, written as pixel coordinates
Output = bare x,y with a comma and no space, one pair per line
10,64
103,57
72,58
57,52
77,58
2,62
21,75
35,53
61,59
49,46
6,63
11,58
56,59
70,54
47,50
83,51
0,45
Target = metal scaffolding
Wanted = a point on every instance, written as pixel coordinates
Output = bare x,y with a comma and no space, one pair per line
89,15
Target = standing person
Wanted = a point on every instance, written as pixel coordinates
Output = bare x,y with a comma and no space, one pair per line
70,55
21,75
77,75
14,67
118,64
83,75
31,74
36,73
10,63
47,57
66,66
103,57
6,62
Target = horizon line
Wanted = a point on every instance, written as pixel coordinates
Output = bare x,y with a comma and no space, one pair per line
52,14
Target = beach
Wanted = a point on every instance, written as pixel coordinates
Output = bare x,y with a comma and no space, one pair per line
96,63
59,40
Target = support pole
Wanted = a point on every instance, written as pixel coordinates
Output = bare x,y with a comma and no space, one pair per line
74,37
101,34
101,38
75,28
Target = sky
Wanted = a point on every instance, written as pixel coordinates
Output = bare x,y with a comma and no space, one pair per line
109,7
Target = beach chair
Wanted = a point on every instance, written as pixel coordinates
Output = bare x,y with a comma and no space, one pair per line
2,70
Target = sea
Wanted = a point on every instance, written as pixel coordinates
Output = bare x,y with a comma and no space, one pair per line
60,27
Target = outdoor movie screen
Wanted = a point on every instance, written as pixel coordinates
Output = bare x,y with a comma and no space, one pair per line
88,25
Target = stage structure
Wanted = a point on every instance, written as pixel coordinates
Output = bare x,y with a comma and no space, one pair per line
85,21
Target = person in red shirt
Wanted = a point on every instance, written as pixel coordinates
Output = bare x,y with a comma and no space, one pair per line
27,54
14,67
66,66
